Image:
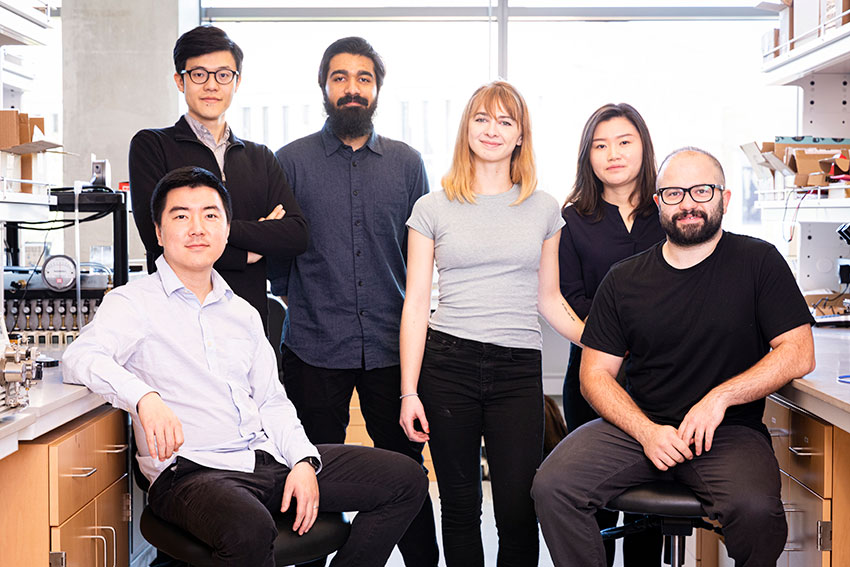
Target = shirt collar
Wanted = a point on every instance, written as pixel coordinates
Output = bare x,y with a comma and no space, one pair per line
172,283
203,133
332,143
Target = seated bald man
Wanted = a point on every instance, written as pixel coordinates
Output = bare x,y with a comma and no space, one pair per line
217,437
712,323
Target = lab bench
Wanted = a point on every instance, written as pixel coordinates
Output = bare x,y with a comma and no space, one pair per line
47,421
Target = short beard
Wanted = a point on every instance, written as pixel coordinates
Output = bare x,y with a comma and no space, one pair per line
352,122
692,236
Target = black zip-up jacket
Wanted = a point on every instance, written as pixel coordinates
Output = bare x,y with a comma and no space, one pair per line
256,184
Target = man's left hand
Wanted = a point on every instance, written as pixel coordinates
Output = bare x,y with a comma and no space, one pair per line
301,484
701,421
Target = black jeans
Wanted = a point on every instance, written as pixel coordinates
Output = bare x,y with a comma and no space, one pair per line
470,389
737,482
642,549
232,511
322,397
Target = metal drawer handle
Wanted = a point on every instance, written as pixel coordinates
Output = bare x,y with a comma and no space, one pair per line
777,432
792,546
114,545
91,471
115,449
805,452
101,538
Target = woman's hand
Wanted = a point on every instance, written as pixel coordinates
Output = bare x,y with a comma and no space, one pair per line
411,410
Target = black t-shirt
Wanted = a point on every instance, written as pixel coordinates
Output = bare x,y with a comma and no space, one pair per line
689,330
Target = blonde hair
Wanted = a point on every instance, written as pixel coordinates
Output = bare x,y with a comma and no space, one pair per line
494,97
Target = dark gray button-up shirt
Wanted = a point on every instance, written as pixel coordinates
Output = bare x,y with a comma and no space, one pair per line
345,293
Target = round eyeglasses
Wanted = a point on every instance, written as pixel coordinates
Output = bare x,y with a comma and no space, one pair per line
701,193
200,76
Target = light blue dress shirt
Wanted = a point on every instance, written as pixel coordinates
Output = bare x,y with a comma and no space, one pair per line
211,363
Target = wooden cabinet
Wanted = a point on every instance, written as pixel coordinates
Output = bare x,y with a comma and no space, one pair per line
67,491
356,434
804,448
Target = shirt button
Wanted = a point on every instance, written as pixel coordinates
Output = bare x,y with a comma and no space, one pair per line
357,223
360,283
358,253
362,312
356,192
354,164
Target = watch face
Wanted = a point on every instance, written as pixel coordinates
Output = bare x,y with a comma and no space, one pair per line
59,273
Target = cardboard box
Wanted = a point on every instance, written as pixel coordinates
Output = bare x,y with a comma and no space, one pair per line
17,132
10,134
826,305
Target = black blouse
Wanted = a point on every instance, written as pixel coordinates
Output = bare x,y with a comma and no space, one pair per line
589,248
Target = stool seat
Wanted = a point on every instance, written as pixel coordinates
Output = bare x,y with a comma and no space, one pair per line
659,499
327,535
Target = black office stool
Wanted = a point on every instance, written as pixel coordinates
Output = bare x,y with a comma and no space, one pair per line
327,535
667,505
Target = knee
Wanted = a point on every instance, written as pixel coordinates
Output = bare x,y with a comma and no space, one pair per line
547,481
247,542
408,476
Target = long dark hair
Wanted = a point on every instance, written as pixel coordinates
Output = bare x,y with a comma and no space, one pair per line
586,195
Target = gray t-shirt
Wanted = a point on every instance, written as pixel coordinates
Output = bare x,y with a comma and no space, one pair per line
487,255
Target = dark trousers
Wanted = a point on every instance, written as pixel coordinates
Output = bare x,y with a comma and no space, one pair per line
641,549
322,397
232,511
737,481
470,389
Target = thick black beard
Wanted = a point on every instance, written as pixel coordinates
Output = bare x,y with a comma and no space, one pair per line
692,237
350,122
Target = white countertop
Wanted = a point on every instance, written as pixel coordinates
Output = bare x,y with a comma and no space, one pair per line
52,404
820,392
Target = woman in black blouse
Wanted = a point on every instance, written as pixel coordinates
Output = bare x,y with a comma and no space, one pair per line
610,216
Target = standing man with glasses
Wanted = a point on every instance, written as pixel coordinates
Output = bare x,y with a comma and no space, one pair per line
267,222
346,292
712,322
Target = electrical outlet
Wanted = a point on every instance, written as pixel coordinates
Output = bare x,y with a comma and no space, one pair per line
98,172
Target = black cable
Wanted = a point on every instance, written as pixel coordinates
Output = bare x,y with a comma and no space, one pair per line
94,188
67,224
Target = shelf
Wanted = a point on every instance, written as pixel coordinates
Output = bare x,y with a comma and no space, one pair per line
23,207
22,23
810,210
829,53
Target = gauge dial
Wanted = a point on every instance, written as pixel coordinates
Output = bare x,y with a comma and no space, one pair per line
59,272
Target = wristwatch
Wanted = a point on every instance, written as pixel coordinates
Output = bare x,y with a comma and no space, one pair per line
313,462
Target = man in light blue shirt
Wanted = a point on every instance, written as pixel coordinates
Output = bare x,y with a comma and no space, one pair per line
218,437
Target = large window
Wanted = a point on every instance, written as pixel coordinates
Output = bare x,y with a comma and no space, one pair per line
696,81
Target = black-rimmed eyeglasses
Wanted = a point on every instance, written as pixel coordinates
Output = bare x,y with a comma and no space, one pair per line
701,193
200,76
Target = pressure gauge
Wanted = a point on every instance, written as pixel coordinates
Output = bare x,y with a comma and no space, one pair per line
59,272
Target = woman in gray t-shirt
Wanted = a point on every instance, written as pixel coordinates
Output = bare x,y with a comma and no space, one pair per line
474,368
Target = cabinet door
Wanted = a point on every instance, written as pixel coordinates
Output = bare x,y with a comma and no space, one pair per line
72,470
804,509
83,546
113,522
110,434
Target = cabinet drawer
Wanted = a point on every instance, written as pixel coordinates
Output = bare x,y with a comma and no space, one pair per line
85,457
72,473
810,453
777,418
803,510
76,537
